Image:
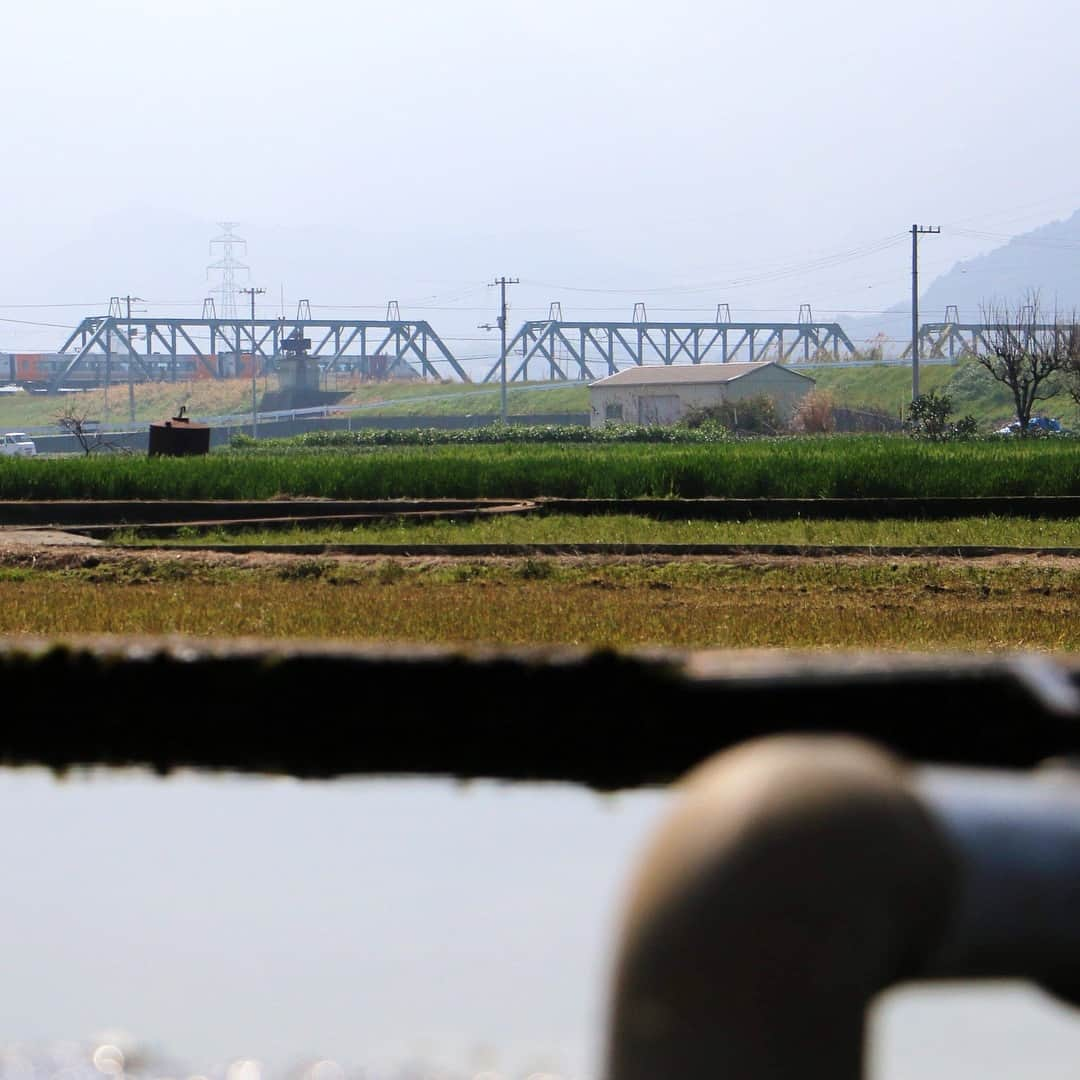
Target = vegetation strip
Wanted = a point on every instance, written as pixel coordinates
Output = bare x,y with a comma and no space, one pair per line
723,509
115,513
621,530
271,524
120,513
809,468
816,551
615,602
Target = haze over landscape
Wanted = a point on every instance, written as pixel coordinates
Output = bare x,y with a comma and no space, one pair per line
682,155
605,154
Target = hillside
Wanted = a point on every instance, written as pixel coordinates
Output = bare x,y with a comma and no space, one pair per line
888,387
233,396
1047,260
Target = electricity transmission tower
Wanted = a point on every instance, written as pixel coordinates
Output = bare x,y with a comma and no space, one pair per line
228,266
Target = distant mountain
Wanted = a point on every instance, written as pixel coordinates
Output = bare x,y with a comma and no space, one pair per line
1046,260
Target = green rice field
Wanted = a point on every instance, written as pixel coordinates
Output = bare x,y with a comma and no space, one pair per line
844,466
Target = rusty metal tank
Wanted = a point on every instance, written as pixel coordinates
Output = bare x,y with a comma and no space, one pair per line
179,437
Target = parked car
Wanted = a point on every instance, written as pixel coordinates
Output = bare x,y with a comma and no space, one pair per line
1037,425
17,444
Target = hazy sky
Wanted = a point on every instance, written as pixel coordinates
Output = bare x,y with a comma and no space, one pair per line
682,154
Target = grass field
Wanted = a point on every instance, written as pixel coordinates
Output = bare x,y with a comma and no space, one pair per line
883,386
972,389
704,603
886,387
203,398
631,529
842,466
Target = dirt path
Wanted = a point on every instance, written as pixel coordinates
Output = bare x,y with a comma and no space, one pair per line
55,549
35,538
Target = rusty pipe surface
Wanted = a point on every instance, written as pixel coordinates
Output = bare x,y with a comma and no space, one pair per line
797,877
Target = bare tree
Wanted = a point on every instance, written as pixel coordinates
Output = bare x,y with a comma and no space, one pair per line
75,422
86,432
1072,378
1030,352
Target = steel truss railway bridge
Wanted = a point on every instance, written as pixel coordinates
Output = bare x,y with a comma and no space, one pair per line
954,340
155,346
152,348
587,350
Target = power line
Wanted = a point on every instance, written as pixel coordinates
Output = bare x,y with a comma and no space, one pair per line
761,276
84,304
1073,196
32,322
1022,238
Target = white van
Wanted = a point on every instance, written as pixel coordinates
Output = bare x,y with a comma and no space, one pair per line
17,444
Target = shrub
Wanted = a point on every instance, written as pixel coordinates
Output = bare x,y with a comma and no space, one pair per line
536,570
865,419
930,418
489,434
750,416
816,414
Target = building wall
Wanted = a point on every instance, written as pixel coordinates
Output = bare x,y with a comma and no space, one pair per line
630,404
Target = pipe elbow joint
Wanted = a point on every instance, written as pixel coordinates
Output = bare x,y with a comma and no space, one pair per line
794,879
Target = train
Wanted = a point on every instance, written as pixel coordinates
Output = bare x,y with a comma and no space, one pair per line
45,371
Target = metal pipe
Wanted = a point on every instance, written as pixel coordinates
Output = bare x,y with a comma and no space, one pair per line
1016,842
796,878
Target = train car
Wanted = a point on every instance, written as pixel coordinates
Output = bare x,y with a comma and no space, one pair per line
40,371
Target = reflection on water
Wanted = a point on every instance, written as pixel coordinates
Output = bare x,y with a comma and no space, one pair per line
74,1061
265,929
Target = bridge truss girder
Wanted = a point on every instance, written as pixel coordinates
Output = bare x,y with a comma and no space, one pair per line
955,340
412,341
588,350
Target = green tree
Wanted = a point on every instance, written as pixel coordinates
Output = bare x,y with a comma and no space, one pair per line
930,417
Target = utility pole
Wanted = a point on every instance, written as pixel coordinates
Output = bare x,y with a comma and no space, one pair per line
129,300
502,283
916,232
253,292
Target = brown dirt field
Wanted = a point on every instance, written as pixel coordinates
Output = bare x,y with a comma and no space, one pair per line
54,549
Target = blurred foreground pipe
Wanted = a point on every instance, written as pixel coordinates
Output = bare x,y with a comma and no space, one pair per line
1016,840
797,877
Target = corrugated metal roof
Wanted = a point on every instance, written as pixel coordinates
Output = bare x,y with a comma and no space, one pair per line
653,374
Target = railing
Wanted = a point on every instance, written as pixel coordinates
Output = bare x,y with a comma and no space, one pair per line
796,877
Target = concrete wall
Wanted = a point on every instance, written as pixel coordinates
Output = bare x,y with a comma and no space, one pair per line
653,403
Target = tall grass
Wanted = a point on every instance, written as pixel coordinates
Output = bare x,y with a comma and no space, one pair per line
684,603
634,529
870,466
